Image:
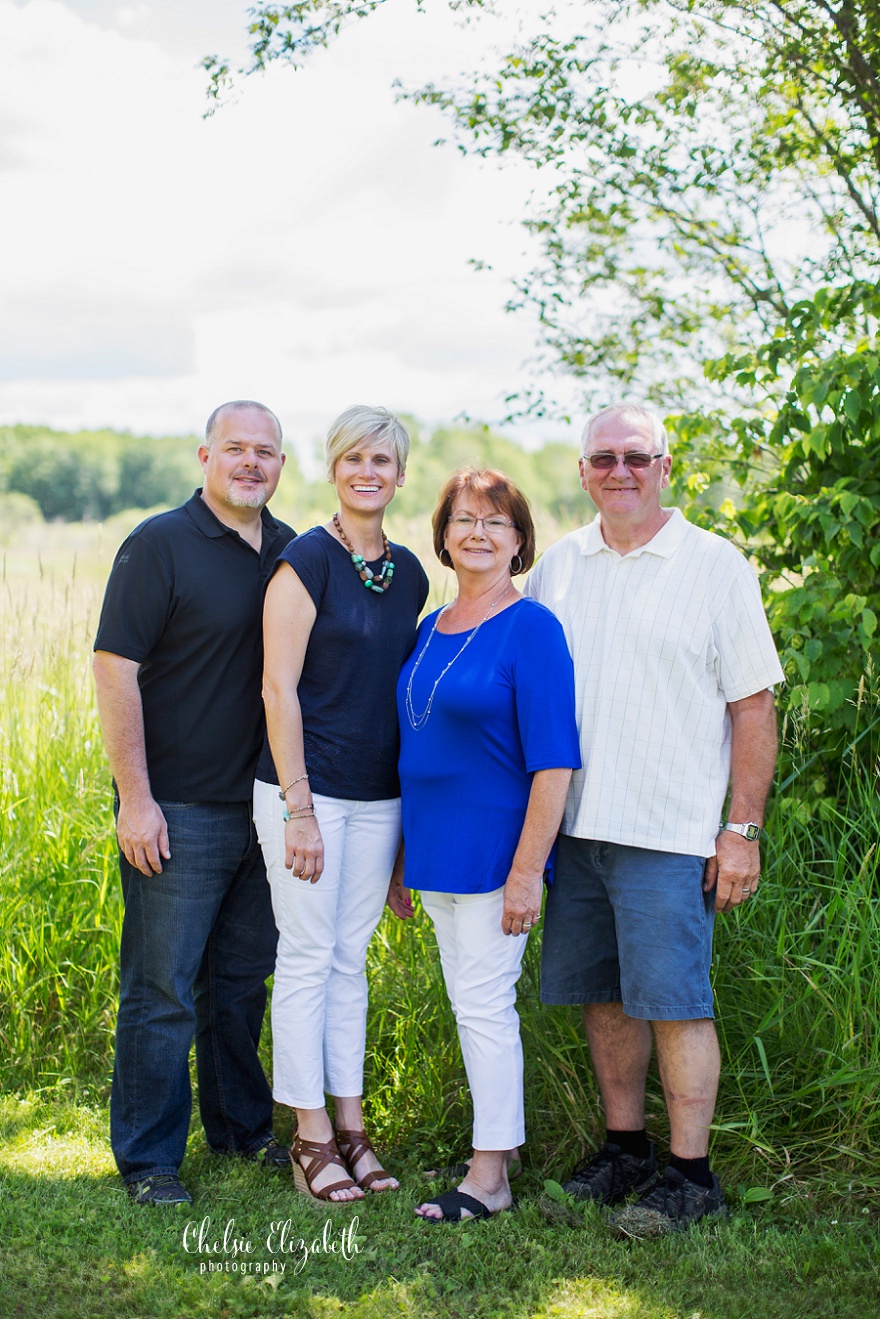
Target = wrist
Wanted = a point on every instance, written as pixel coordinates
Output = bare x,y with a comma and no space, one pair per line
299,814
749,829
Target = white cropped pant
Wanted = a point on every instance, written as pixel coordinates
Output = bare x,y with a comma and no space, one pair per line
481,966
319,1000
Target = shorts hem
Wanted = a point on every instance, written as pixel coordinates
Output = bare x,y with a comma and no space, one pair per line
678,1012
578,1000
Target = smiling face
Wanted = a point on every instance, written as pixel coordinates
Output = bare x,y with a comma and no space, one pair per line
478,549
367,477
625,496
243,462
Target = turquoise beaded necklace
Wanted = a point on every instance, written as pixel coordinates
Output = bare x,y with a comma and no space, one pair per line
367,576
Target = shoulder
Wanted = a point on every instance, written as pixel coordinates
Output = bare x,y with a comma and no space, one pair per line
533,616
313,546
158,535
408,569
710,543
535,624
715,557
402,555
569,546
278,532
162,526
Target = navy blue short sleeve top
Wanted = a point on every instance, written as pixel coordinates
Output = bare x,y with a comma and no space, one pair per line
347,687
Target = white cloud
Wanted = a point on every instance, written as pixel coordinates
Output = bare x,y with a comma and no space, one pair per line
306,244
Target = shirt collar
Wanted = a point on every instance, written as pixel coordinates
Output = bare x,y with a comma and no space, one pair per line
210,525
664,543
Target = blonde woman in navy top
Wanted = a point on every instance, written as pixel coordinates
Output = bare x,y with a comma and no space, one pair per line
340,618
488,743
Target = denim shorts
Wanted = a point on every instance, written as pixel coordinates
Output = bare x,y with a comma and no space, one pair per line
628,925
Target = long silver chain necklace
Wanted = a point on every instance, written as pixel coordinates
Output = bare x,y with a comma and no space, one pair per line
418,721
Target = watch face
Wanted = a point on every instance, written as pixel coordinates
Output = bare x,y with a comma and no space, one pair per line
752,832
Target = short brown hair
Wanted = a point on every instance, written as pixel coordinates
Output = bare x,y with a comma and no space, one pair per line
498,489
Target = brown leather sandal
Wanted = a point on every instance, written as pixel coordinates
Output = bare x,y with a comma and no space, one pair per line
321,1156
353,1145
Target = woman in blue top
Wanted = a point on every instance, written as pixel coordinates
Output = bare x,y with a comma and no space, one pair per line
340,618
488,743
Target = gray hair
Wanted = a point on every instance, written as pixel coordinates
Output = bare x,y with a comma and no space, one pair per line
364,427
239,405
626,410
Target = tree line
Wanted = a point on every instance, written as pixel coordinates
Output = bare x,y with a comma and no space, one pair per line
92,475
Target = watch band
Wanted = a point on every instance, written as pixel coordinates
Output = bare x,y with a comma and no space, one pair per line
749,830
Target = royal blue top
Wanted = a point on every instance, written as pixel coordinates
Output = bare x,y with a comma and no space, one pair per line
356,647
503,710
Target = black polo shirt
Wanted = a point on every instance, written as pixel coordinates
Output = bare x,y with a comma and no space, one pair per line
185,601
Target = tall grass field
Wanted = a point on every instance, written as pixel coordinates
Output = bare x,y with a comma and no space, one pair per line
796,974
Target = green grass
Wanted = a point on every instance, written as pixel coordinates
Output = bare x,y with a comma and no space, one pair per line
797,1138
72,1245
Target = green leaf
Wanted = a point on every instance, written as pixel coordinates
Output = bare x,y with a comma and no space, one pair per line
757,1194
555,1191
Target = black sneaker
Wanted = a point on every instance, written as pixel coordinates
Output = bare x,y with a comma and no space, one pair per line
163,1188
672,1206
273,1156
610,1175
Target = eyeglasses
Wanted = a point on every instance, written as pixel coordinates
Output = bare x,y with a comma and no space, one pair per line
489,524
603,462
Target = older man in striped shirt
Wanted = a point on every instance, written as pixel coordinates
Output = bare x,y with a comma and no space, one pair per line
674,663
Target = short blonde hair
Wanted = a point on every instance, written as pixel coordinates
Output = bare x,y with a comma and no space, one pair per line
364,427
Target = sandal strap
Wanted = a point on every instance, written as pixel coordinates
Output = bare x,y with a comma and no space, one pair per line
353,1145
322,1154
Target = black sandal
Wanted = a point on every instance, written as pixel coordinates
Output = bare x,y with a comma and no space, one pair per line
453,1202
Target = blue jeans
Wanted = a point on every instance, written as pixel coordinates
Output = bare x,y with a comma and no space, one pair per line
198,943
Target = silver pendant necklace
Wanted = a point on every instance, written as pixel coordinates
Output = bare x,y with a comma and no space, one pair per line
418,721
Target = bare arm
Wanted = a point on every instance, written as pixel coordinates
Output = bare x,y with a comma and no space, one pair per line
737,863
140,824
288,618
522,891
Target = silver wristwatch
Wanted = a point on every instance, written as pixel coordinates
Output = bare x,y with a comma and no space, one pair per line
750,830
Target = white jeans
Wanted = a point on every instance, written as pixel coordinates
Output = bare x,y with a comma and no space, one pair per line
319,1000
481,966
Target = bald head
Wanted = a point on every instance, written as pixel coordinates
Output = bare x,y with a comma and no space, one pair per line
239,405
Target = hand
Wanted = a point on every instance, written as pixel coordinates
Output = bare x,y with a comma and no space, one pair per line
733,872
304,848
399,899
522,902
143,834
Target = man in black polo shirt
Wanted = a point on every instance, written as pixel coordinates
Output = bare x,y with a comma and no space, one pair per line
178,669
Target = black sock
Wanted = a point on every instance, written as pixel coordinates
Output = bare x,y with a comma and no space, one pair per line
631,1142
695,1170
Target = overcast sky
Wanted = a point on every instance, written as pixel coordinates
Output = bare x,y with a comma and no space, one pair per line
307,245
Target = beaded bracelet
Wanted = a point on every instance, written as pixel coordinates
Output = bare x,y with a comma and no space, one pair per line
283,794
299,813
